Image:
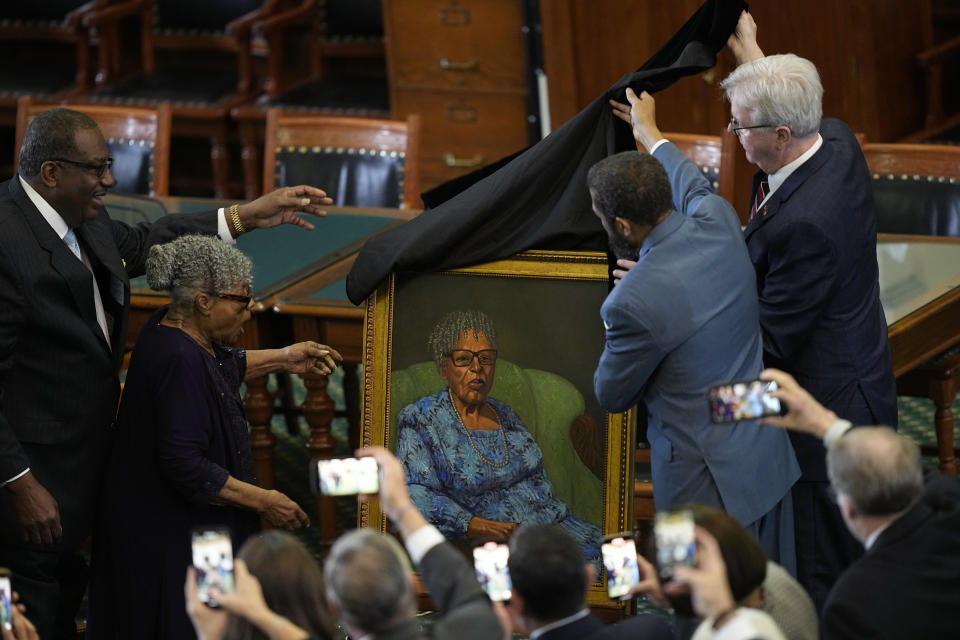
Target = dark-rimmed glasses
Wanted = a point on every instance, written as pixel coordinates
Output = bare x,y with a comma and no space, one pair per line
464,357
735,127
98,169
244,300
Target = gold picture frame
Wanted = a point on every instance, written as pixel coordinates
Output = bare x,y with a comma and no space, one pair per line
545,306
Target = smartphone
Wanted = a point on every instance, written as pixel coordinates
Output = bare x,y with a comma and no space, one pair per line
213,560
673,534
620,560
345,476
743,400
6,600
490,561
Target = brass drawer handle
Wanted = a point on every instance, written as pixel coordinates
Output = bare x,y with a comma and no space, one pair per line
469,65
453,161
454,17
461,113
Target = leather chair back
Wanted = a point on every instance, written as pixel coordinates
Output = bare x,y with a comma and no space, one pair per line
203,16
138,141
916,188
359,162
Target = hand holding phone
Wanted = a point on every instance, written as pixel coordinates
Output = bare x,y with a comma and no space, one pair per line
213,560
673,533
346,476
744,400
620,560
490,562
6,600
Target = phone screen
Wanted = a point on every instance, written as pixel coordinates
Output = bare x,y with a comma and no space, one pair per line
620,561
742,401
673,533
490,561
213,560
6,600
348,476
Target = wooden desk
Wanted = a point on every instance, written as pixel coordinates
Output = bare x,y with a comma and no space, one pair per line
920,292
308,268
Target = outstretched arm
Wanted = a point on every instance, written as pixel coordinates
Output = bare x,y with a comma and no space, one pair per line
743,42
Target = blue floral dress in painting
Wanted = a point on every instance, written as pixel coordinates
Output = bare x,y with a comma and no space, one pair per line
455,474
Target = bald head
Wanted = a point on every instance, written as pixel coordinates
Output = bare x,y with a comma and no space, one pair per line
878,469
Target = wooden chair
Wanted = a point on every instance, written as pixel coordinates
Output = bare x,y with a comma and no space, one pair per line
47,53
138,140
207,64
916,189
358,161
341,42
715,155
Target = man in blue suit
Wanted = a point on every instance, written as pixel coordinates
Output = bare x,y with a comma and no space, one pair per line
683,319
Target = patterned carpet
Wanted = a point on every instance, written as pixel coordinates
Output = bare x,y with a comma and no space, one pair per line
916,420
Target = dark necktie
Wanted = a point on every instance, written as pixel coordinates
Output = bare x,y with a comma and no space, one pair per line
762,189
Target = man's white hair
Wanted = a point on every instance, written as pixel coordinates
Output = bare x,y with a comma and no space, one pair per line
779,90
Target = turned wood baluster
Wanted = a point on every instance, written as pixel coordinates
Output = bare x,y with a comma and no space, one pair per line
258,406
318,410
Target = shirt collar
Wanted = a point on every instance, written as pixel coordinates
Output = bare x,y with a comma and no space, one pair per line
670,224
872,538
778,177
54,219
536,633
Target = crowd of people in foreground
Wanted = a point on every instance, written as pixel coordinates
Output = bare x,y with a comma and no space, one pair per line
801,294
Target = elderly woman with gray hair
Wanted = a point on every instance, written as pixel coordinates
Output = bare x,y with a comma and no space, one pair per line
473,467
181,456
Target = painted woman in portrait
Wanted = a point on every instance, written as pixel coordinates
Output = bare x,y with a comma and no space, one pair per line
473,468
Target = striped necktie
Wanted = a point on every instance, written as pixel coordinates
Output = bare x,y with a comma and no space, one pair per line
70,238
762,189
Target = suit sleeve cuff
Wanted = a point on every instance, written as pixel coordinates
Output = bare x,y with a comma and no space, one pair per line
421,541
16,477
835,432
222,229
656,145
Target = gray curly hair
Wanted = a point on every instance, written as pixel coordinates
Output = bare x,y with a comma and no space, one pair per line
447,332
196,263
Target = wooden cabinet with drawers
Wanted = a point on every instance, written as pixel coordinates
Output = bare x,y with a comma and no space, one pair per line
460,65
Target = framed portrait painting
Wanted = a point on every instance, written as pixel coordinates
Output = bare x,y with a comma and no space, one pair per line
480,379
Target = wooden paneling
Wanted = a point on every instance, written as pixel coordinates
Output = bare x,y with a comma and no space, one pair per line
863,49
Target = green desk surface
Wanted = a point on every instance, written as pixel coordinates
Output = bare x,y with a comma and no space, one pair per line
286,254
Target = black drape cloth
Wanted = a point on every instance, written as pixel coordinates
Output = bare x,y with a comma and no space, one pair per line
539,199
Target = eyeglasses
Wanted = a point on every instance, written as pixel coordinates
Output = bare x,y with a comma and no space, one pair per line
98,169
464,357
734,126
244,300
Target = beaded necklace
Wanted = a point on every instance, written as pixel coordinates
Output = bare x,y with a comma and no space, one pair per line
503,437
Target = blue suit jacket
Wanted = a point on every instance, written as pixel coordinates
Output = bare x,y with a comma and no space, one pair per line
814,248
683,319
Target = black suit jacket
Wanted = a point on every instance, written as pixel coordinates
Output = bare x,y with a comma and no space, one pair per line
58,375
814,248
908,584
646,627
466,611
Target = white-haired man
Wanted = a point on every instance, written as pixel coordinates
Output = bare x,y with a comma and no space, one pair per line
811,235
906,583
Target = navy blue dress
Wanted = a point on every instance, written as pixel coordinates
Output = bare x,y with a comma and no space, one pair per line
180,432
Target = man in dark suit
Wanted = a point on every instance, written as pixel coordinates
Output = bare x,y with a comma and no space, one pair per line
370,585
64,303
906,583
812,237
550,578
